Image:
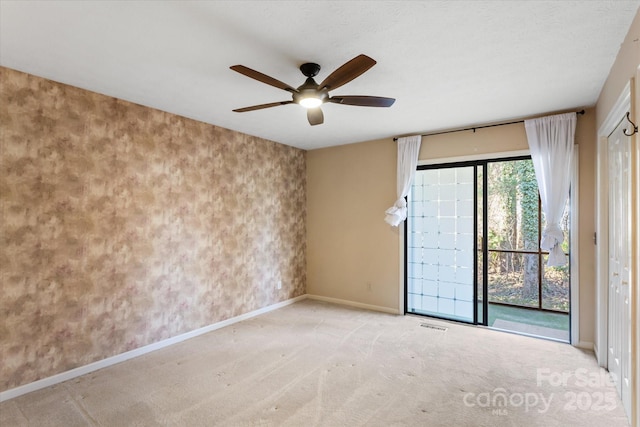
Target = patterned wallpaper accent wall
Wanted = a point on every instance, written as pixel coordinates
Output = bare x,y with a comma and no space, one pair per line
122,226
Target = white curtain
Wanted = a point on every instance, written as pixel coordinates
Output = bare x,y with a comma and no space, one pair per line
551,143
408,149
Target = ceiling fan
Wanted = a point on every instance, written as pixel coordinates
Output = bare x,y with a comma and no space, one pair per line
312,95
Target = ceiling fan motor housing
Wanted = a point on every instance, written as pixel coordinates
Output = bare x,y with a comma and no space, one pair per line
310,69
310,90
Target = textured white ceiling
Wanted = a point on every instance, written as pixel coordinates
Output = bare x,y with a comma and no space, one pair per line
449,64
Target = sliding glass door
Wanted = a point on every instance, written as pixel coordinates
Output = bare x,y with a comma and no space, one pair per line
472,252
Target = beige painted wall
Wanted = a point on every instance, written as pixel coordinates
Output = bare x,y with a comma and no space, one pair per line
349,188
349,245
623,69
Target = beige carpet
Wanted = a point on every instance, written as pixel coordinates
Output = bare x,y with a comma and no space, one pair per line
318,364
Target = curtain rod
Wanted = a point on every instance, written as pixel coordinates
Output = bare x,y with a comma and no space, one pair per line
581,112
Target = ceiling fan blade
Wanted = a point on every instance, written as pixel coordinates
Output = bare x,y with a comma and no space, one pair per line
347,72
363,101
262,77
315,116
261,106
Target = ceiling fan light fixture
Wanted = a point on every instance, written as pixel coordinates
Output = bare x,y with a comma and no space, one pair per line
310,102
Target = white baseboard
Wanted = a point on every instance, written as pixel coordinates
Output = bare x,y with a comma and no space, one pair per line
585,345
354,304
602,363
91,367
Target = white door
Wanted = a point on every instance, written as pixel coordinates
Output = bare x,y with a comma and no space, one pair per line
619,314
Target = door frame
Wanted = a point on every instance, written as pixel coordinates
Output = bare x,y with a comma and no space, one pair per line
622,105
